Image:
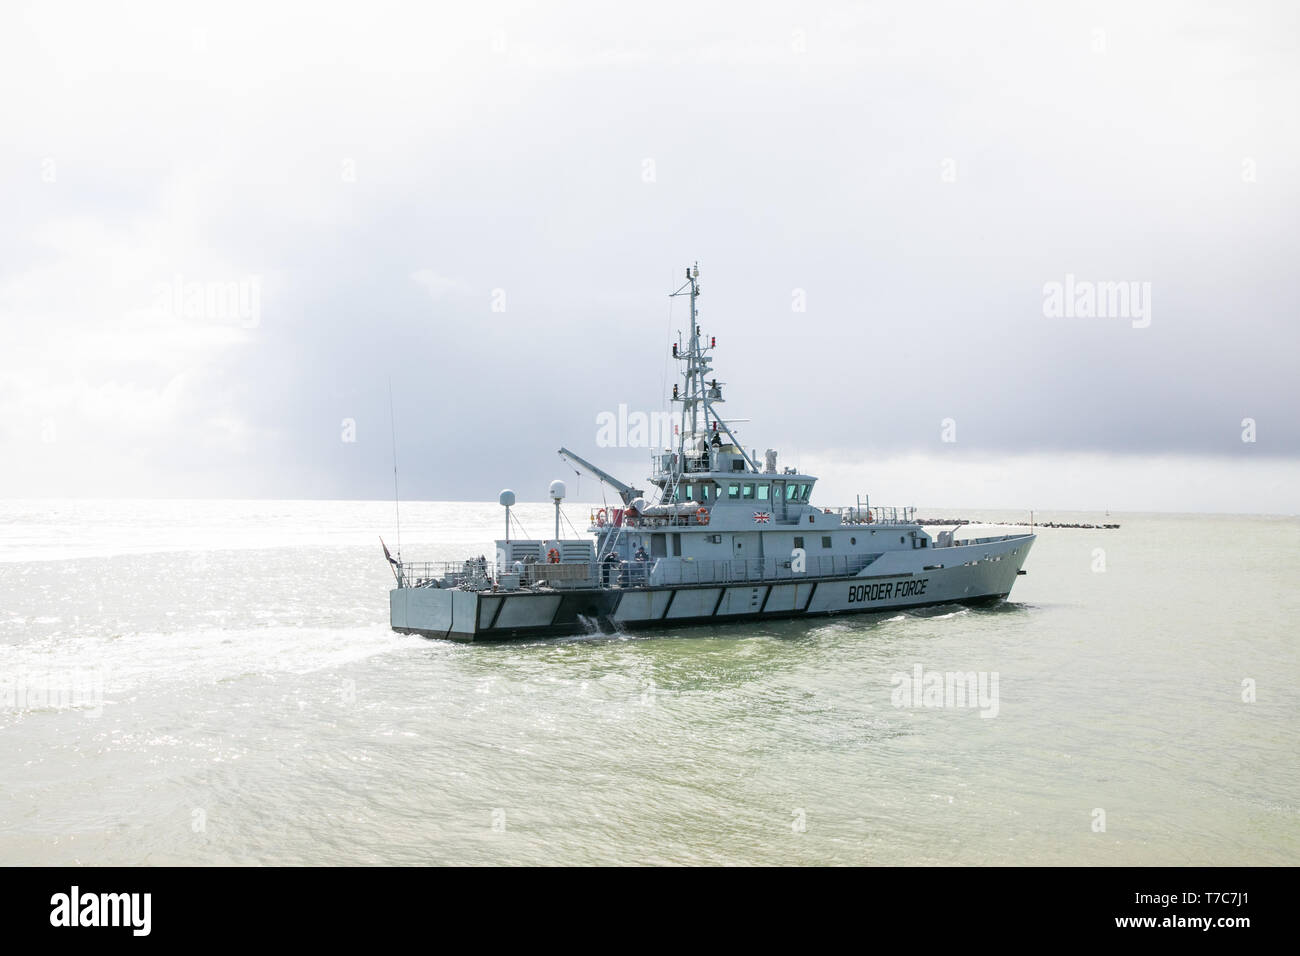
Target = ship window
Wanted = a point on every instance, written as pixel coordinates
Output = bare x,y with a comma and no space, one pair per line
853,540
749,489
690,492
705,488
798,541
791,491
733,491
762,492
826,541
677,544
658,546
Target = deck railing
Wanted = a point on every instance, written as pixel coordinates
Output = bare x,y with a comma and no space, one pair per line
740,570
618,517
473,575
855,514
849,515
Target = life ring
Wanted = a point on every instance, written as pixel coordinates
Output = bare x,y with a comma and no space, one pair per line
702,516
553,556
601,518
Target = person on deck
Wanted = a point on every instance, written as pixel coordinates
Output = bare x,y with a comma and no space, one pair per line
611,564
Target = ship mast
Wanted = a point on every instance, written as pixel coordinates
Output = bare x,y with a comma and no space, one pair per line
697,401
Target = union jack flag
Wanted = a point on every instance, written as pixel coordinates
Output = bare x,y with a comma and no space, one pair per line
761,516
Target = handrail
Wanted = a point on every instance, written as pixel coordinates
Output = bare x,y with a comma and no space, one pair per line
473,575
849,515
756,570
852,514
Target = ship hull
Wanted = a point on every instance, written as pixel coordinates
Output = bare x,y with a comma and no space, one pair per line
452,614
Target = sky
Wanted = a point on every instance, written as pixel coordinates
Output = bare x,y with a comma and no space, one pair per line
1012,256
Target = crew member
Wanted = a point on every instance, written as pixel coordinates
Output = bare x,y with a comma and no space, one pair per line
609,571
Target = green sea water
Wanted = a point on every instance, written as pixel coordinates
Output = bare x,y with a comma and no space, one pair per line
215,682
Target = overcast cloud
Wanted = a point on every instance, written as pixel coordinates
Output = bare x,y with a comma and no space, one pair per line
227,227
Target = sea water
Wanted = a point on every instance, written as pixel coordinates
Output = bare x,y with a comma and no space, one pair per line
212,682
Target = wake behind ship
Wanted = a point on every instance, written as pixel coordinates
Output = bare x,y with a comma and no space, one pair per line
725,538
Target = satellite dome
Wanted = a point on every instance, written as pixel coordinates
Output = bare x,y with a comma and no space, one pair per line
507,498
557,489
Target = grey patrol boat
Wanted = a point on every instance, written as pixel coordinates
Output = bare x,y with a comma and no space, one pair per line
724,538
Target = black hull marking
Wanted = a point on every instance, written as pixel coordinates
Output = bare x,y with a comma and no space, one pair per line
669,606
562,630
808,603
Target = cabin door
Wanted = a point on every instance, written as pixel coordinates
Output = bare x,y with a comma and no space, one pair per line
778,500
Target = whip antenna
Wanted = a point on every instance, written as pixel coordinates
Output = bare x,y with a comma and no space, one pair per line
397,508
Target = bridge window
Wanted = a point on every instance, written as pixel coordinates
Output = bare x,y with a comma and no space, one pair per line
762,492
733,491
791,492
803,492
749,489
